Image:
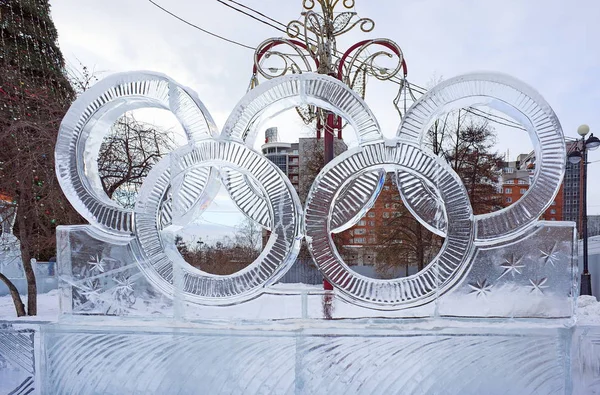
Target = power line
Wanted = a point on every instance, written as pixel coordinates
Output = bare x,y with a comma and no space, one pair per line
259,13
201,29
214,34
250,15
419,89
505,121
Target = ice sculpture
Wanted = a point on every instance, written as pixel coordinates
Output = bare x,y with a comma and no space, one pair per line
242,333
486,258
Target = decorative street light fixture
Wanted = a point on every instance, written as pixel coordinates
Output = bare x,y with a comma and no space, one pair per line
579,153
311,47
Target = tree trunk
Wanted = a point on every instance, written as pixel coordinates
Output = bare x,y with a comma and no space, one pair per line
31,286
14,292
420,248
29,273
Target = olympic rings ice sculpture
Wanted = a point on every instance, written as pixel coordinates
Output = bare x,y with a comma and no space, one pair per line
181,185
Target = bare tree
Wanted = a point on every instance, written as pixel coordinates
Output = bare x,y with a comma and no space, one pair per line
82,77
228,255
467,144
248,234
127,154
402,241
28,134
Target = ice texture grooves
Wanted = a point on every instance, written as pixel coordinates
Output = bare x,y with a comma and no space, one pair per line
359,195
422,201
246,197
184,362
292,90
516,99
17,361
437,277
197,286
89,120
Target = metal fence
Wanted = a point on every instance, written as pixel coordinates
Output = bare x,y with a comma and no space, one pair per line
303,271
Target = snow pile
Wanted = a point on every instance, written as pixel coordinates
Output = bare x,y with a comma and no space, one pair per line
588,310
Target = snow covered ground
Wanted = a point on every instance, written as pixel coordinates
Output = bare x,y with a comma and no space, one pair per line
48,307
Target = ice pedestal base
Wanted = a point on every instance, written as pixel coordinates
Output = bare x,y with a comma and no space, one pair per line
534,277
301,357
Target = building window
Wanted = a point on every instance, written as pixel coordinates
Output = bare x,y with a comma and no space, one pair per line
371,214
360,231
386,215
507,190
372,240
386,188
508,200
509,182
362,222
371,223
553,211
523,190
359,239
387,205
522,182
554,203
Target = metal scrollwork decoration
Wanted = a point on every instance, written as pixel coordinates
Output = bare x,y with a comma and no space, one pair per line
311,47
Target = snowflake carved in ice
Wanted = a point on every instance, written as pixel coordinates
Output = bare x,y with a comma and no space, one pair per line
124,284
550,256
480,288
537,286
512,265
90,290
97,264
123,295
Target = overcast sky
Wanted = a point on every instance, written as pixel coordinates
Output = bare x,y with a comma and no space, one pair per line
553,45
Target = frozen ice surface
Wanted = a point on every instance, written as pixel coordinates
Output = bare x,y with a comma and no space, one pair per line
112,356
308,357
10,247
493,313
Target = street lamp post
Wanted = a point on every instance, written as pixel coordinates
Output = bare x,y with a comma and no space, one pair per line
311,47
579,153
